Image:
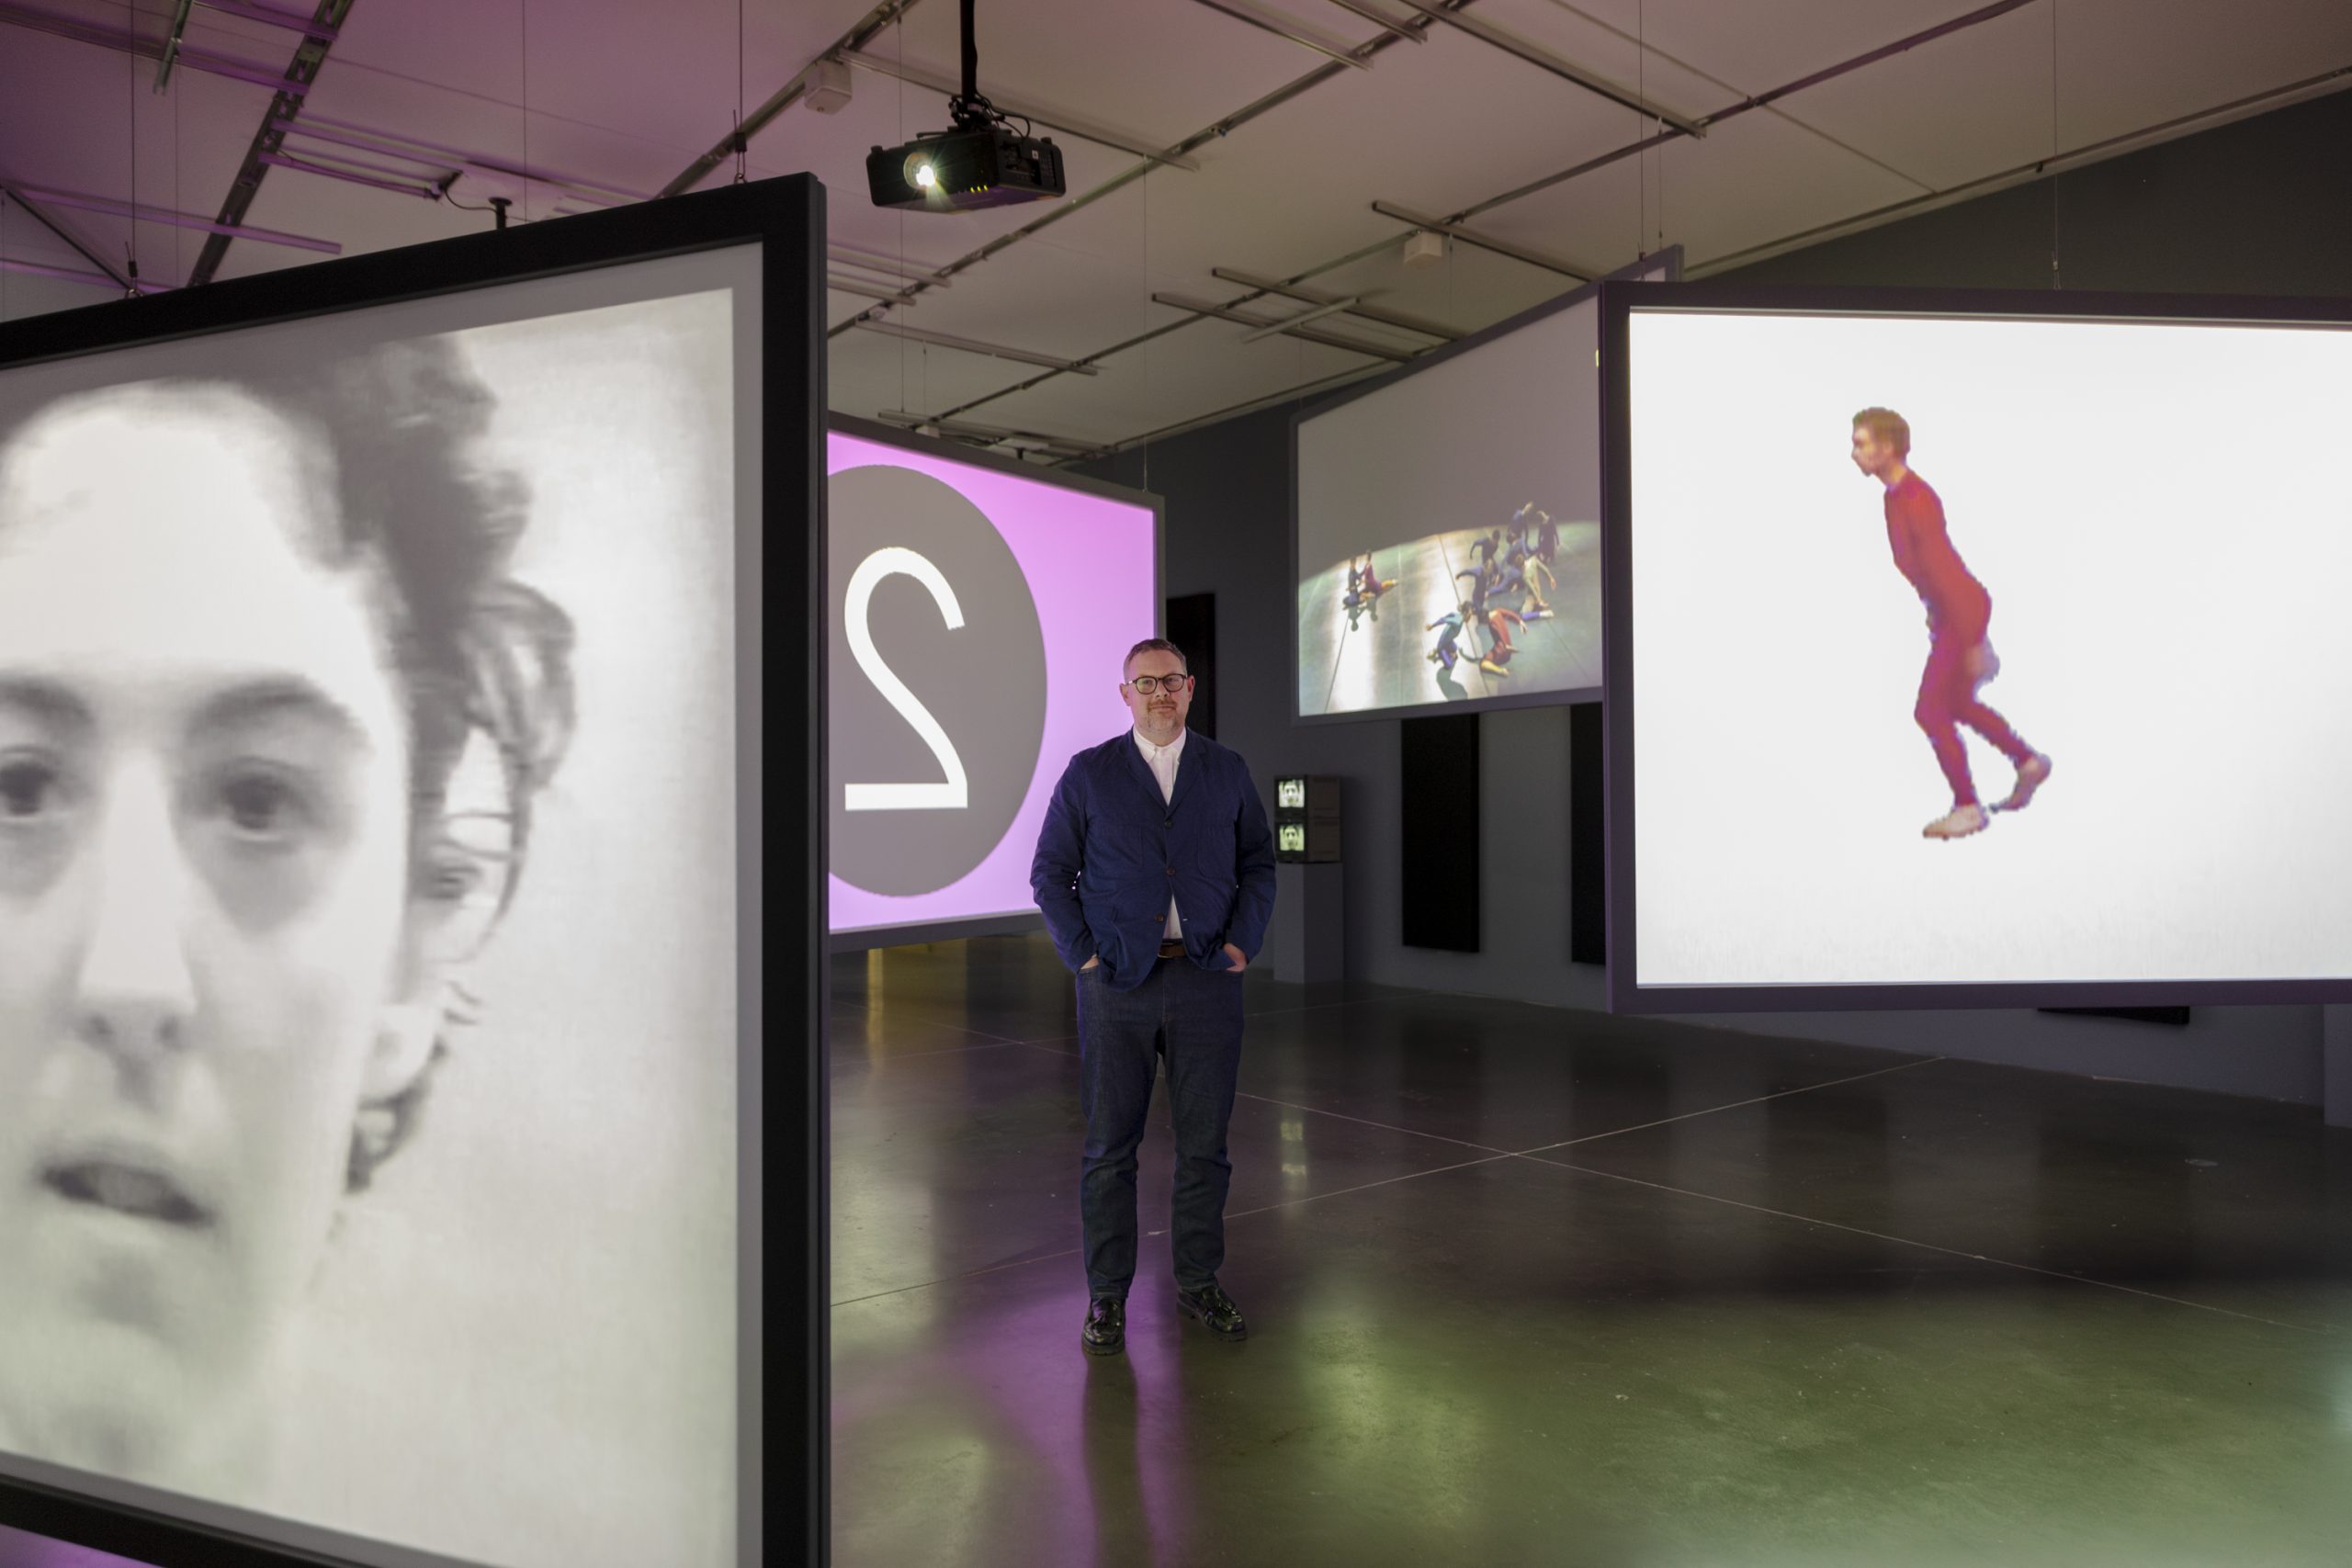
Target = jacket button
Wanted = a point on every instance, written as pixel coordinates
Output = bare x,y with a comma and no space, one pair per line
1171,871
1169,823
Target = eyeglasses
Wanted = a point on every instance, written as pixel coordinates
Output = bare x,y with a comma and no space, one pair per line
1147,684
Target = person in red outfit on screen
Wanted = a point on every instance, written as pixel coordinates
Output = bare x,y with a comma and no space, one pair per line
1960,659
1500,622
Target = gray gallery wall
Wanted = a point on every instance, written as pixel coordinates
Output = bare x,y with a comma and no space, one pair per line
2264,206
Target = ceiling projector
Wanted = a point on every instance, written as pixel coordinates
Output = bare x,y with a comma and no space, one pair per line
978,161
973,165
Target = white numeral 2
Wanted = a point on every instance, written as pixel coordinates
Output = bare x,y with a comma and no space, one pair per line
953,791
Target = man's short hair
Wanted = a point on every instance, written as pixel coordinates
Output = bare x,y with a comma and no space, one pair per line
1886,426
1152,644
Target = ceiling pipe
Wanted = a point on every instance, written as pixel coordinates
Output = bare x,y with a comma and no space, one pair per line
1376,20
1052,119
428,172
1311,334
64,231
70,274
973,346
310,56
365,139
888,267
376,182
1535,54
172,42
865,290
993,433
1282,27
1501,247
1314,314
253,12
113,209
145,49
1353,374
1381,313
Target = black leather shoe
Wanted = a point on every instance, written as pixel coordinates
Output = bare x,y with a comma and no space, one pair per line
1105,1333
1214,1308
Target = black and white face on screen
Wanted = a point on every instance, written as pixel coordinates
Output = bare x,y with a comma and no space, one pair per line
299,668
225,891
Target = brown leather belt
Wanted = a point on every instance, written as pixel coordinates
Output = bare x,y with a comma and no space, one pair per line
1171,950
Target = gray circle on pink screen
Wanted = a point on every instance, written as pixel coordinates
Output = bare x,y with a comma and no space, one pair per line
984,682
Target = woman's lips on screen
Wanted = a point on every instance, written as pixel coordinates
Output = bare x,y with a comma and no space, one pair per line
121,1221
131,1179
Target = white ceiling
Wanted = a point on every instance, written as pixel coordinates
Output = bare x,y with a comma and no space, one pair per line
617,97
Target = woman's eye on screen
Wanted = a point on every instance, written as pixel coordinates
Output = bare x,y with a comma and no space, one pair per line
32,791
451,877
261,807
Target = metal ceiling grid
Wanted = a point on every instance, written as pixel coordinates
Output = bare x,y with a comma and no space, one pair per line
1211,153
1183,374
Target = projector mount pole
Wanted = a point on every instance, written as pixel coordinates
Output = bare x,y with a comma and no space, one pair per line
971,54
968,108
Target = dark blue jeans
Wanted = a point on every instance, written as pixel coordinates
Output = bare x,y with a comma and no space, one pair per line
1192,1016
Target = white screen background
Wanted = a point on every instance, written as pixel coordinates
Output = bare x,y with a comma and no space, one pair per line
2158,512
1459,442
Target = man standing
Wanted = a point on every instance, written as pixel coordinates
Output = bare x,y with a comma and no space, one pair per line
1960,611
1156,875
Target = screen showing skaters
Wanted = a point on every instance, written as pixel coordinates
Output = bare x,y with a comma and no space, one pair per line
1960,612
1352,641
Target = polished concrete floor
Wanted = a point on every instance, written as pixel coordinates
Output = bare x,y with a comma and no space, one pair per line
1528,1286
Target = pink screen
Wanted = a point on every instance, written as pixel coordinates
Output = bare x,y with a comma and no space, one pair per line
1014,691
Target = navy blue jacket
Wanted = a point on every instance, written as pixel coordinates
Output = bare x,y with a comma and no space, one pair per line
1112,852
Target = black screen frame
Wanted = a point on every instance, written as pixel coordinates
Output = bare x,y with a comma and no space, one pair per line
782,1370
1670,259
1619,302
915,934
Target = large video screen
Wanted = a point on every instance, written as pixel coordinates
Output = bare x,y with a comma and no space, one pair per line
1980,653
1448,522
981,619
369,919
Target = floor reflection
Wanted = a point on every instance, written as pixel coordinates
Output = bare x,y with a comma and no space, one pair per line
1531,1286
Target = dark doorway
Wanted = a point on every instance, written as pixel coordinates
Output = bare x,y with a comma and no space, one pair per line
1441,883
1191,625
1587,839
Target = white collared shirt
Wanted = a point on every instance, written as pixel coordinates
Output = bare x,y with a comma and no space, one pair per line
1163,761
